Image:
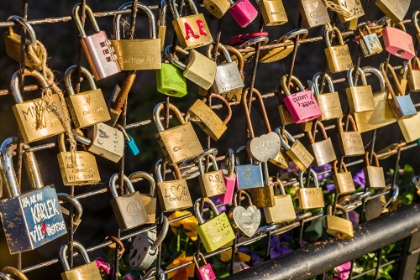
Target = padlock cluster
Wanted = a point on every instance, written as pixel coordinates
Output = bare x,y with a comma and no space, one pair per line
86,119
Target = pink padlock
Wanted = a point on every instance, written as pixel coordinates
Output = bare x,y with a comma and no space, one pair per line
302,105
243,12
229,176
398,42
204,272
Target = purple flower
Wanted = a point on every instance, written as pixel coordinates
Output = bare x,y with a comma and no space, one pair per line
291,169
255,259
359,179
342,271
102,265
129,277
321,169
354,218
330,187
278,248
217,201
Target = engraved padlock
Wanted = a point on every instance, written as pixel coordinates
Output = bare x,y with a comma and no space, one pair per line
375,178
343,180
171,81
249,175
243,12
395,10
273,12
229,176
283,210
149,200
322,151
297,152
281,160
245,220
76,219
398,42
360,98
313,12
263,197
369,42
338,57
353,7
217,7
204,272
328,102
211,182
310,198
342,228
349,142
98,50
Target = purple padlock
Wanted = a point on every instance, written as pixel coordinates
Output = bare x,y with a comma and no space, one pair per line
229,176
204,272
243,12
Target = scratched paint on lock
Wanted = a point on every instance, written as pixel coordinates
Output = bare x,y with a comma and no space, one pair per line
249,176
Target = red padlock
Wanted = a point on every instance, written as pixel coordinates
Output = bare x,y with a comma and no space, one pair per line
242,38
398,42
243,12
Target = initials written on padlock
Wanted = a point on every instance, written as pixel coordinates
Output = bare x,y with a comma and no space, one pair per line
338,57
245,220
310,198
297,152
314,13
211,183
328,102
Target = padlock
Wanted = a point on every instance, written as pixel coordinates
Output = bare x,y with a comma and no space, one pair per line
297,152
179,143
273,12
13,41
12,271
281,160
355,9
152,272
88,271
211,183
229,176
149,200
263,197
215,232
101,57
410,128
378,205
200,69
360,98
310,198
395,10
252,42
104,140
111,249
401,104
243,12
283,210
343,181
323,151
144,248
338,57
245,220
342,228
301,105
76,219
369,42
38,118
349,142
130,143
174,194
192,31
129,208
414,75
86,108
398,42
217,7
170,81
137,54
204,272
313,12
35,214
249,175
374,175
78,168
285,116
329,102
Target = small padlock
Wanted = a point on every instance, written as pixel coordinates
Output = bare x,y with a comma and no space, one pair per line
414,75
349,142
310,198
263,197
395,10
410,128
217,7
378,205
245,220
297,152
170,81
313,12
130,143
250,175
281,160
110,249
283,210
301,105
229,177
329,102
354,7
192,31
273,12
173,195
243,12
12,271
343,181
215,232
150,200
342,228
323,151
369,42
179,143
398,42
211,183
374,175
88,271
360,98
101,57
204,272
338,57
129,208
76,219
78,168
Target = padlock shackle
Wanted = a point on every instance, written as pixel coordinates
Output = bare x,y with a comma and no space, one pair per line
338,207
198,261
343,165
113,181
363,26
338,36
75,203
312,174
25,25
162,235
171,57
415,61
62,143
230,162
116,240
283,132
158,170
148,177
395,193
359,73
15,272
84,72
10,181
156,115
312,134
316,86
152,272
220,47
378,74
294,80
254,41
302,32
63,254
81,139
197,209
247,114
280,185
211,153
175,12
78,22
375,157
15,87
388,83
144,8
238,196
415,19
4,276
122,129
32,169
225,104
162,13
401,26
351,120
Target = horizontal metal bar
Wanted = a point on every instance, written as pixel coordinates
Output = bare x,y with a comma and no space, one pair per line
373,269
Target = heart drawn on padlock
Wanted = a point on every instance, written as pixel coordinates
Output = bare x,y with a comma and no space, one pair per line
264,147
247,220
178,191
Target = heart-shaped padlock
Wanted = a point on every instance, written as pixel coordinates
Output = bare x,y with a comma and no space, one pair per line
246,221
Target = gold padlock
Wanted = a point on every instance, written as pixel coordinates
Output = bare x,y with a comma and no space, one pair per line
283,210
217,7
263,197
328,102
149,200
414,75
338,57
343,181
285,116
282,159
211,182
235,95
342,228
378,205
410,128
310,198
374,175
395,10
322,151
297,152
354,7
360,98
349,142
273,12
313,12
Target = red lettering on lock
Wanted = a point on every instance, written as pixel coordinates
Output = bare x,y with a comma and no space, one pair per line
201,27
189,32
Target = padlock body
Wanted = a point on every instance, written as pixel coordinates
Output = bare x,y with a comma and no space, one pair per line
343,182
339,58
192,31
88,108
375,178
100,55
403,106
283,210
141,256
310,198
313,12
330,106
216,232
370,44
375,207
275,54
233,95
87,271
410,128
150,204
217,7
227,78
174,195
212,183
107,142
285,116
360,99
323,152
262,197
339,227
84,170
230,184
395,10
300,155
170,81
354,7
281,160
12,43
350,143
26,114
302,106
249,176
138,54
273,12
398,43
32,219
414,80
206,272
243,12
129,211
264,147
132,146
200,69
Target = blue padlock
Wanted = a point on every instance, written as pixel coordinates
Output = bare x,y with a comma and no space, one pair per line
130,144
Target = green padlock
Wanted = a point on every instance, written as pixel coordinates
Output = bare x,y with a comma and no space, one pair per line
171,81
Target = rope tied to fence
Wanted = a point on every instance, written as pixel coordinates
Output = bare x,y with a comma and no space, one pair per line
337,8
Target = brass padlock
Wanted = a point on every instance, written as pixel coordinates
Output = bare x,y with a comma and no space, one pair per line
410,128
328,102
310,198
338,57
354,7
343,181
149,200
12,271
414,75
246,221
360,98
322,151
416,24
395,10
342,228
76,219
281,160
263,197
217,7
369,42
374,175
162,24
378,205
349,142
285,116
211,183
273,12
297,152
179,143
313,12
283,210
88,271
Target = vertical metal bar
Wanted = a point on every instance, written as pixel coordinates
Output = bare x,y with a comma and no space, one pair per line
116,257
409,260
378,265
232,260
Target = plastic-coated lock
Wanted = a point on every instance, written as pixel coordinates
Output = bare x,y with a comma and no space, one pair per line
243,12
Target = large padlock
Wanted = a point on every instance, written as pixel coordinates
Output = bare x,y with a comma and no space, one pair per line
349,142
12,271
245,220
263,197
98,50
174,194
395,10
211,183
398,42
179,143
354,7
328,102
76,218
215,232
192,31
297,152
302,105
249,175
369,42
86,108
243,12
35,215
78,168
360,98
149,200
129,208
229,176
342,228
217,7
204,272
170,81
137,54
283,210
281,160
343,181
310,198
273,12
38,118
313,12
323,151
375,178
338,57
88,271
